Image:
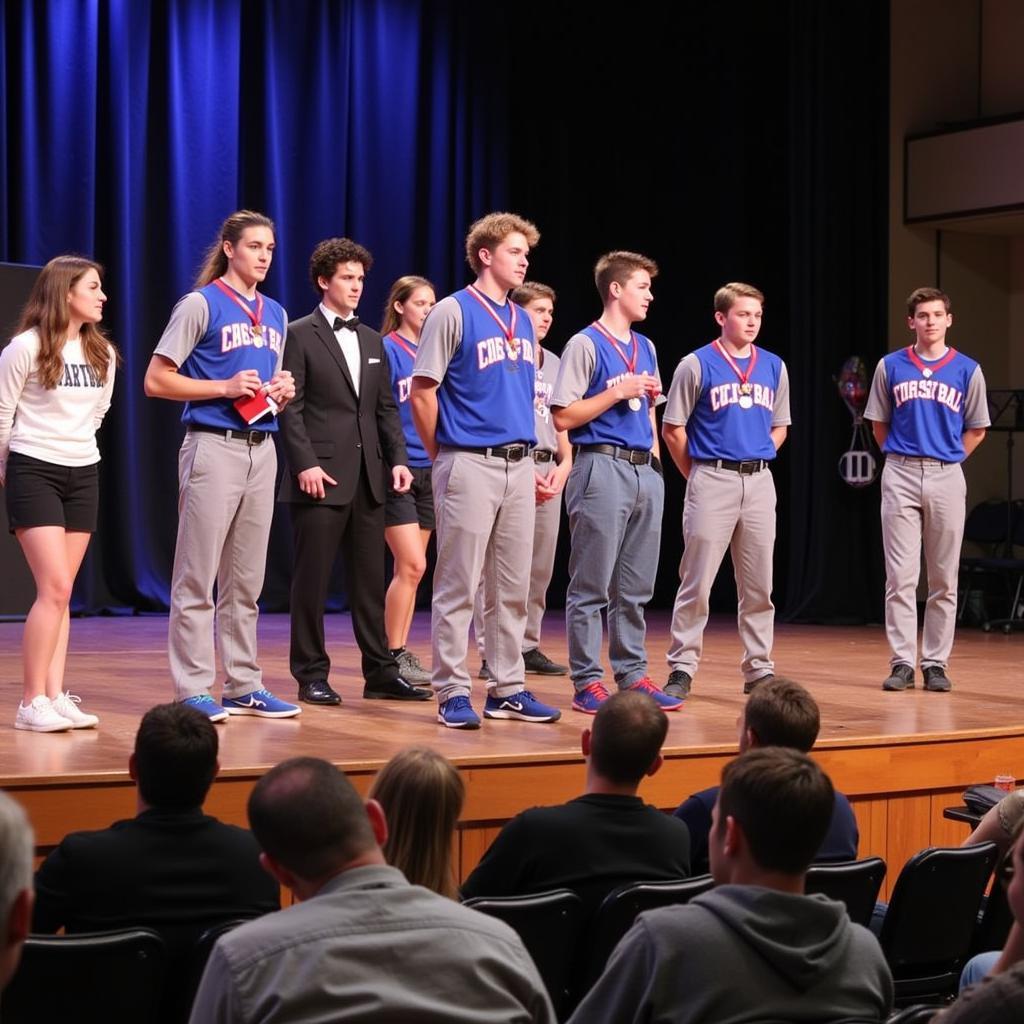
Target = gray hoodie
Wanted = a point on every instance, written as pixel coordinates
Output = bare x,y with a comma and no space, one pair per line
742,954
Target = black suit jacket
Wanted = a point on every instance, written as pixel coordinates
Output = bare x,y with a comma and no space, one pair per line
326,424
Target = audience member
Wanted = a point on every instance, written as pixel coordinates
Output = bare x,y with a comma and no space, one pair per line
16,844
755,947
171,867
362,943
779,713
421,794
606,837
1000,996
1000,822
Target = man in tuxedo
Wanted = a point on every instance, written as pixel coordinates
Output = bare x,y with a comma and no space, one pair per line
344,447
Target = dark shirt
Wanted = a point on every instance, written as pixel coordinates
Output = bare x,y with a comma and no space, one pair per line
592,845
840,841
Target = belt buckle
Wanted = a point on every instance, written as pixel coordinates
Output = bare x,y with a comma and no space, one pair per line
637,458
253,437
515,452
749,467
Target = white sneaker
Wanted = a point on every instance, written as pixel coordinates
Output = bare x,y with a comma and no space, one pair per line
66,705
41,716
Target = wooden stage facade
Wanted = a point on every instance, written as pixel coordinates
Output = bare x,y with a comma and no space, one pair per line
900,757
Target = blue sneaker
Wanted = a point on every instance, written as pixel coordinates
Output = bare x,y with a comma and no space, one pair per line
208,706
664,700
522,705
458,713
261,703
590,698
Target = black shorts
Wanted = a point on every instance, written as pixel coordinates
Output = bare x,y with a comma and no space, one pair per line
416,505
41,493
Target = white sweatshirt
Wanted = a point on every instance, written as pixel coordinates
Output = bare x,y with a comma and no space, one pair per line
56,425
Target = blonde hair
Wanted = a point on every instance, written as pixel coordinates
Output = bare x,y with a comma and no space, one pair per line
528,291
47,312
215,262
727,295
401,291
422,795
492,230
620,266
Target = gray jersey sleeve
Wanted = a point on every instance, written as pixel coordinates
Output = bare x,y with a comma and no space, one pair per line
684,391
780,414
189,320
976,407
576,371
441,337
879,407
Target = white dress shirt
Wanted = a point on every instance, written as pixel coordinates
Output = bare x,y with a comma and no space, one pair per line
348,341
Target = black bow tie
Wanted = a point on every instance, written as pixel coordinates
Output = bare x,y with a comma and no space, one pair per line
350,324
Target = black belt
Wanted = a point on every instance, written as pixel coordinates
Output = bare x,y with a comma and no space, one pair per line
745,468
249,437
634,456
542,455
508,452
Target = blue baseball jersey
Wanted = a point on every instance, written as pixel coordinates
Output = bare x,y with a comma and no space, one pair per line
723,422
928,406
400,361
619,425
485,392
228,346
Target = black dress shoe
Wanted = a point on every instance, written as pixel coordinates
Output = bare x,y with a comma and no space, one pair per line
395,689
318,692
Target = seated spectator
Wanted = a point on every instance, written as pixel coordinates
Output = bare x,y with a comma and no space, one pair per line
780,713
421,794
600,840
362,943
16,845
1000,822
999,998
754,948
171,867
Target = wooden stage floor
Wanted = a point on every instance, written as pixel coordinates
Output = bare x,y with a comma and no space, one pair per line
900,756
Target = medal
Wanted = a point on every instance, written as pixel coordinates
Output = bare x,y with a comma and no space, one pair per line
635,404
928,371
746,402
512,351
746,389
255,318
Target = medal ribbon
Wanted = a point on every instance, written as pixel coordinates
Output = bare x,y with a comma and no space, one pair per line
616,344
402,343
931,368
509,331
743,377
256,317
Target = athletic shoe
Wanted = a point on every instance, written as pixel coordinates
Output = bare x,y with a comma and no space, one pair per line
664,701
205,704
678,684
262,704
590,698
936,680
457,713
752,684
522,705
537,662
41,716
901,677
66,705
410,669
485,672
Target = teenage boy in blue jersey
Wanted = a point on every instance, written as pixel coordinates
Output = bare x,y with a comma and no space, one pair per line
608,385
727,416
929,412
472,403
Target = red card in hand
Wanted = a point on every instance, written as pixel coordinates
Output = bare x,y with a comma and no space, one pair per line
256,407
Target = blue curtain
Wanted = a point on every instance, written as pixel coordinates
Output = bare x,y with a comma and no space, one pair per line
130,128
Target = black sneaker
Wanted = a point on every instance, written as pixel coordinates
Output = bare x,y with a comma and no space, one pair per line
678,684
751,684
936,680
537,662
901,677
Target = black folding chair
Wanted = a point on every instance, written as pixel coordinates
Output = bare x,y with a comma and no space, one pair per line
853,882
92,978
927,932
549,923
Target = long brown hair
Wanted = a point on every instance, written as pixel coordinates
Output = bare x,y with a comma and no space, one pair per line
422,794
400,292
215,262
47,312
